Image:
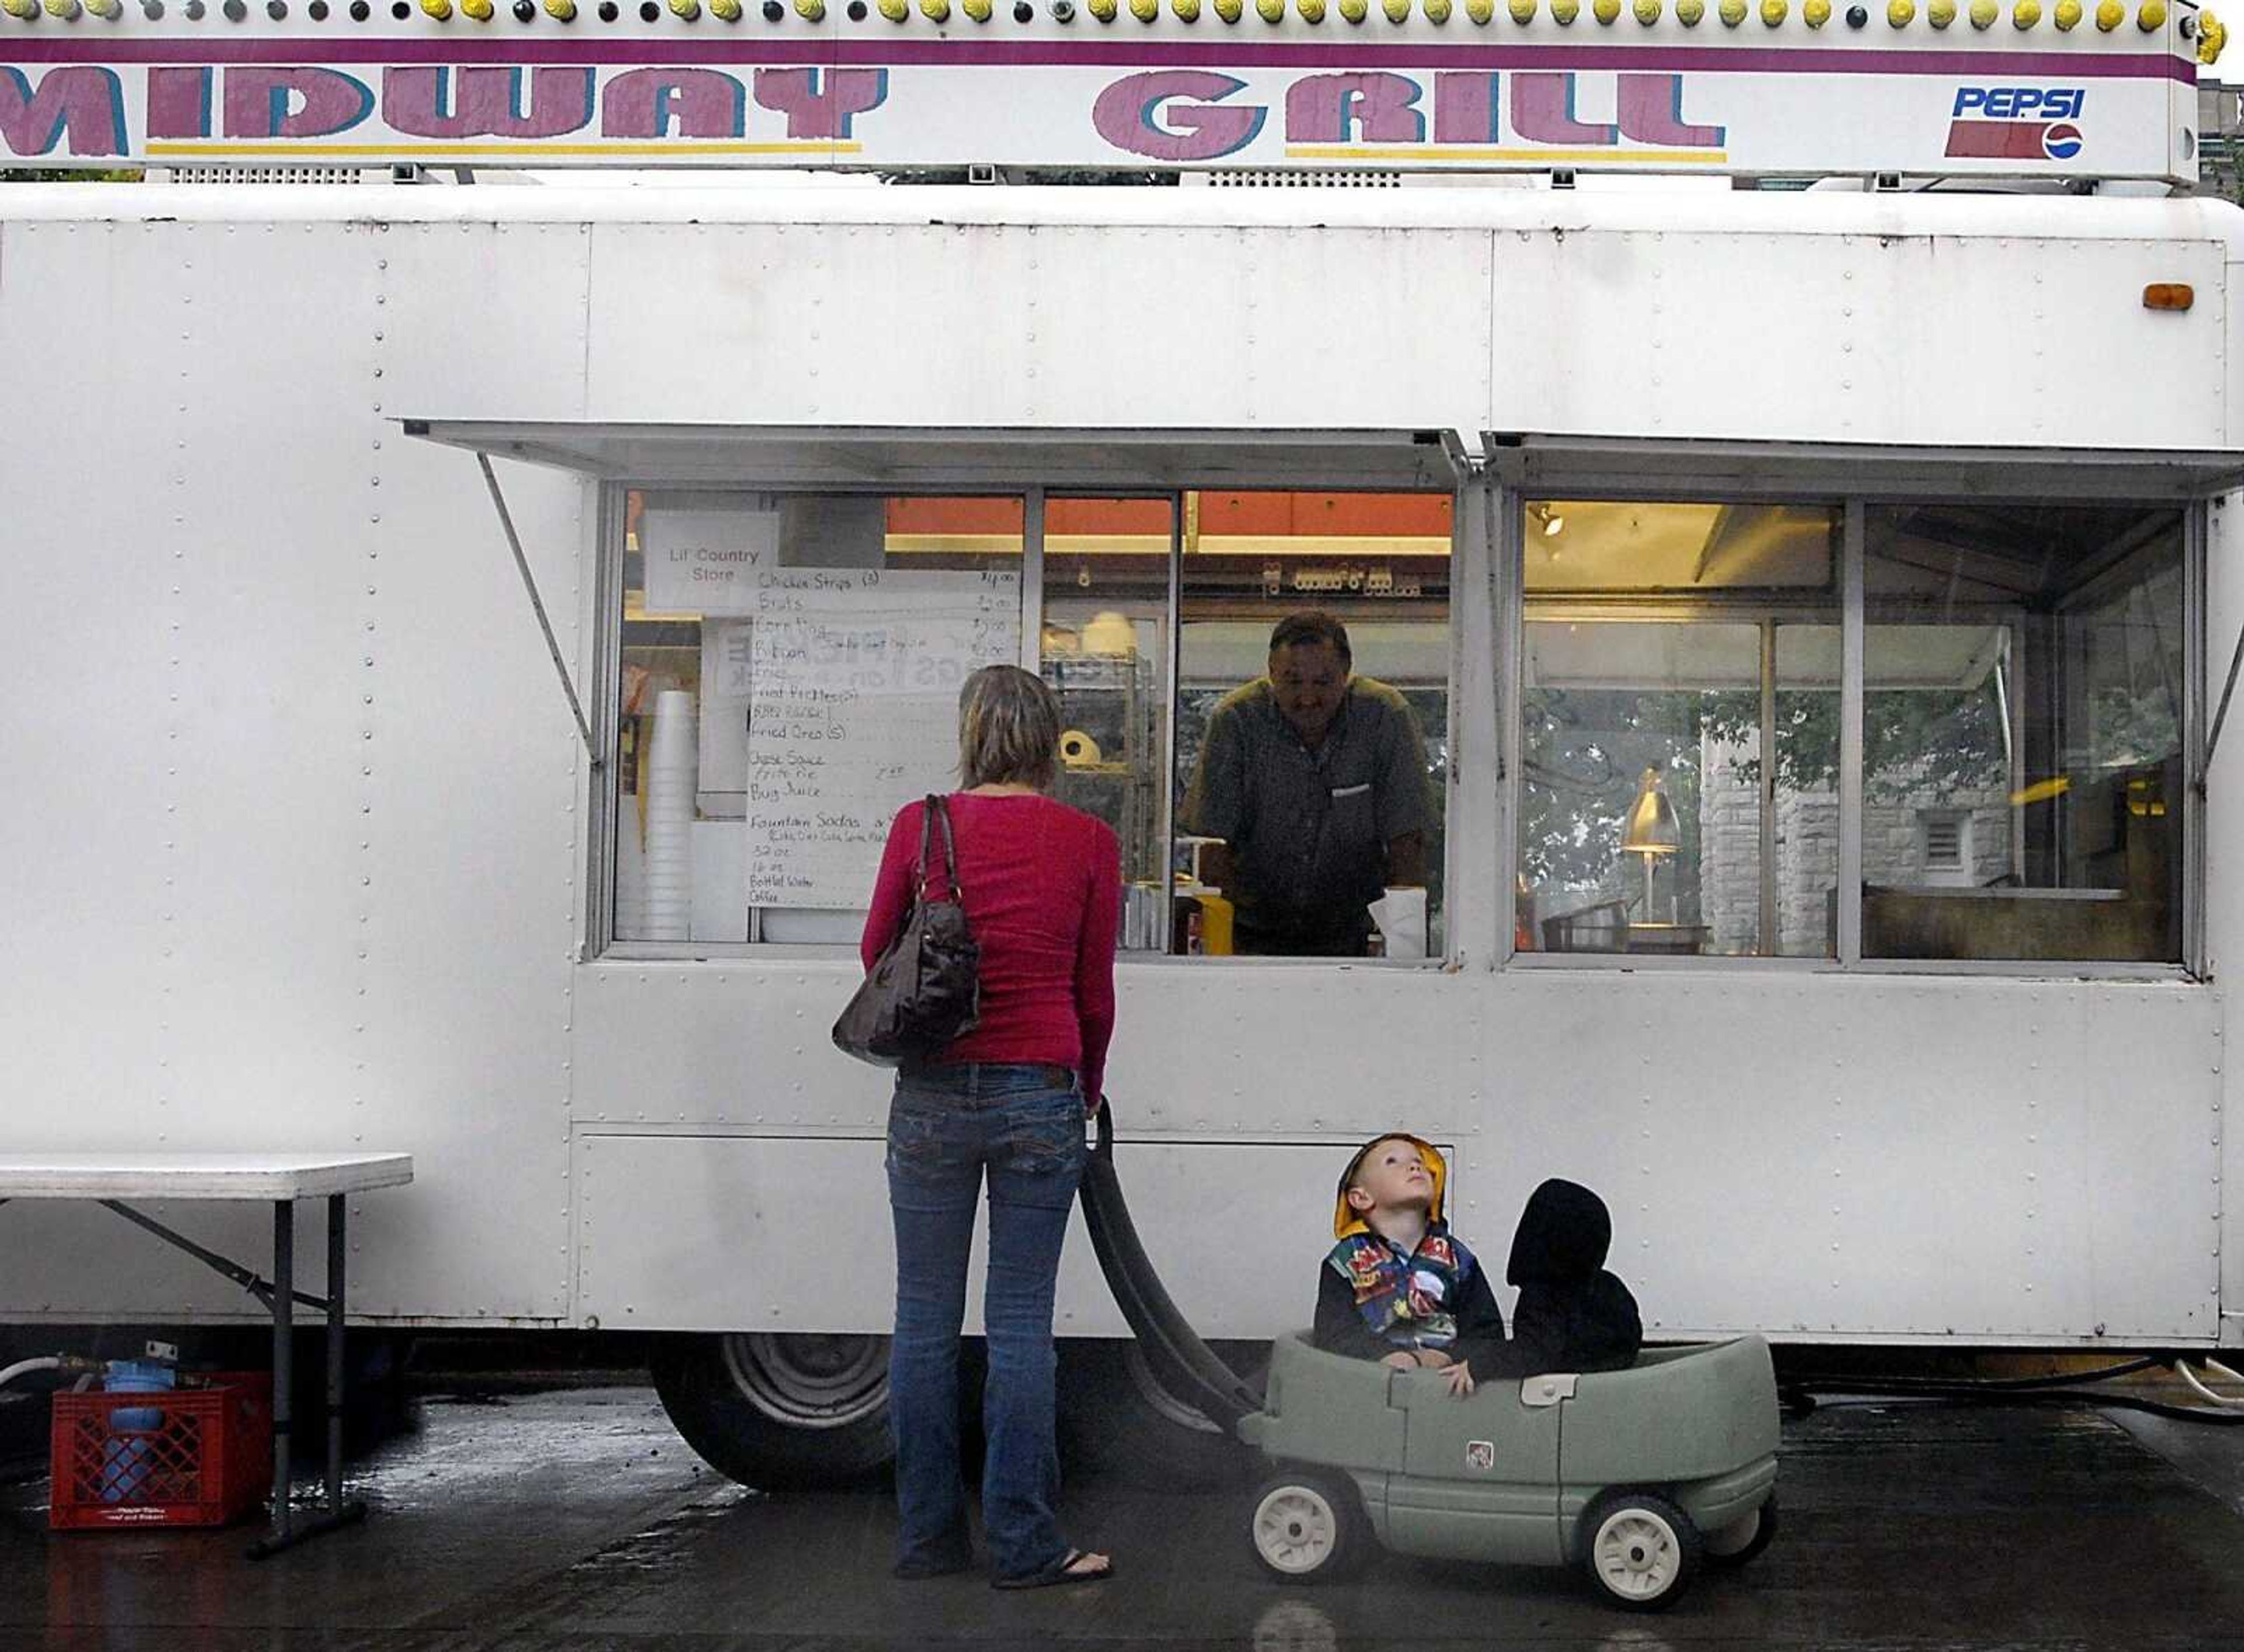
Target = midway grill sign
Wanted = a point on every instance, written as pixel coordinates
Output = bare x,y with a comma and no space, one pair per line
1776,89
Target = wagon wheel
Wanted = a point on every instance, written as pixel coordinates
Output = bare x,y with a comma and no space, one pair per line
1641,1551
1306,1527
1738,1542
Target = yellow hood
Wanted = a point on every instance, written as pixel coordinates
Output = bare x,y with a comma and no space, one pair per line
1346,1222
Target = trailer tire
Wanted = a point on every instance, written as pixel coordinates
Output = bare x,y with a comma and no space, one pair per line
780,1412
1731,1545
1116,1422
1640,1550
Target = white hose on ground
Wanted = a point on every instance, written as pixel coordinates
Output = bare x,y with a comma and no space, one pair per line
24,1367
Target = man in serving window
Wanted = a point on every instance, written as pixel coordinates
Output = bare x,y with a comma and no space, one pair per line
1314,779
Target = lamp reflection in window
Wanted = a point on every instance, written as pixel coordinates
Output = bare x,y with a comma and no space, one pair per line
1651,830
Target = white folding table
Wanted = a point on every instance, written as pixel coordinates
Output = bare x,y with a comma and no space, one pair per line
281,1179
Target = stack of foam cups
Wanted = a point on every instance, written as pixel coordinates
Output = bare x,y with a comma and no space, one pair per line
669,779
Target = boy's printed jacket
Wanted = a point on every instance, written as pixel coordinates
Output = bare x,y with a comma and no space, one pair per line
1373,1298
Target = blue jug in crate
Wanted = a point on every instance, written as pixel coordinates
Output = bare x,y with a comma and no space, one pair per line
126,1455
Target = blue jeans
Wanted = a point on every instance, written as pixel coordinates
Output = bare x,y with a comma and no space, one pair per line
947,1126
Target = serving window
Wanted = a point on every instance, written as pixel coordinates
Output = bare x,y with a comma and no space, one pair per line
1704,757
789,664
2022,764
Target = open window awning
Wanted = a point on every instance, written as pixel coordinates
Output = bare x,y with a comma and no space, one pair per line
685,455
1555,466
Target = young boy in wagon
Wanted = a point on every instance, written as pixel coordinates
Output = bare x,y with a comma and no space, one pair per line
1399,1287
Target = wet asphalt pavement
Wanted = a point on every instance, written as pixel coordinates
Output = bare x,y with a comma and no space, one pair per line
574,1521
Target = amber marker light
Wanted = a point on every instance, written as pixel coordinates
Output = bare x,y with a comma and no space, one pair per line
2169,296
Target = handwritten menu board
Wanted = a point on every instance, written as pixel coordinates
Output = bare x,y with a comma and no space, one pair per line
853,711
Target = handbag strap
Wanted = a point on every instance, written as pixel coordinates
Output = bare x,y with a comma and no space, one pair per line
934,811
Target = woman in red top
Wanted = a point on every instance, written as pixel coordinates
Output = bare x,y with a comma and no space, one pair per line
1041,884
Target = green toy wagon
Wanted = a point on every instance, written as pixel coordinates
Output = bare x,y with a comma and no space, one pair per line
1637,1476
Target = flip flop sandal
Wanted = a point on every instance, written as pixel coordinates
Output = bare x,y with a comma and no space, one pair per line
1058,1573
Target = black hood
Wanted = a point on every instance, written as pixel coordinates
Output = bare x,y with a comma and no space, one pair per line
1562,1238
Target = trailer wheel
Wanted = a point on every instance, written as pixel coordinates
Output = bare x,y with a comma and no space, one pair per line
1116,1421
1307,1528
1641,1551
1734,1545
780,1412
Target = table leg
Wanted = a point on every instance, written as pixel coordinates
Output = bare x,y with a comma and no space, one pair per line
337,1222
284,1359
286,1531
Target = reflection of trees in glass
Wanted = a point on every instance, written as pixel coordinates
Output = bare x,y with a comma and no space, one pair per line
1586,752
2132,660
1913,739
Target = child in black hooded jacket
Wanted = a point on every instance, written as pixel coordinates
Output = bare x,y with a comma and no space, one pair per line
1572,1314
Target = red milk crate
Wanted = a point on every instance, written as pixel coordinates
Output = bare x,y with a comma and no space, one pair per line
207,1461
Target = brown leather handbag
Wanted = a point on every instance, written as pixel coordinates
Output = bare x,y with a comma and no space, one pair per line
925,990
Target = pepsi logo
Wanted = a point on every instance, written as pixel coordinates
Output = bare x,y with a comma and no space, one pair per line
2061,142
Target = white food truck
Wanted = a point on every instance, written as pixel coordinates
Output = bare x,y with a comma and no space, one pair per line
465,644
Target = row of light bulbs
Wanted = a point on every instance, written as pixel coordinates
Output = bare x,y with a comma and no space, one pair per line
2150,15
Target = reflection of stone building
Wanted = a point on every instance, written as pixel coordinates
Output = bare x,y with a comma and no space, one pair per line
1913,835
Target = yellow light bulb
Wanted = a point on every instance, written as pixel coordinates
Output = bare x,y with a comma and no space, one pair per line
20,8
1940,13
689,9
1229,11
440,10
1270,10
2212,36
2152,17
1354,11
1396,10
895,10
810,10
1438,10
1984,13
2110,13
561,11
724,10
1689,13
1604,11
2067,14
1773,12
1900,13
1646,11
1186,10
2026,14
106,9
1816,13
935,10
1733,12
1522,11
1563,12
